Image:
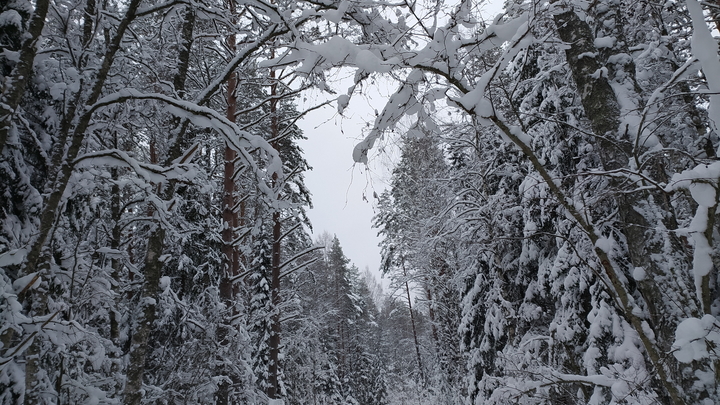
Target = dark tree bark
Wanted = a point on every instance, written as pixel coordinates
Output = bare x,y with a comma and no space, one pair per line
156,246
14,87
230,224
273,390
145,318
53,201
616,150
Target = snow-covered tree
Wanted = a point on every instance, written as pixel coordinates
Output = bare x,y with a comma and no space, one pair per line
591,230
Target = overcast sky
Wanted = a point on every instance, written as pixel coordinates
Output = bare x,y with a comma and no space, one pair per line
340,188
342,192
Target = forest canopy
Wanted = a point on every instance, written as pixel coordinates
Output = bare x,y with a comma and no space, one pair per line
550,230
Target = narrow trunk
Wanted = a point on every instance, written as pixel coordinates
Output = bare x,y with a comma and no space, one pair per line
156,246
145,318
230,224
414,328
33,387
53,201
115,263
230,220
273,390
14,86
115,239
273,380
36,382
88,23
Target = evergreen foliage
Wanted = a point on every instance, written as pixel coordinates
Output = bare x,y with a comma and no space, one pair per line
550,230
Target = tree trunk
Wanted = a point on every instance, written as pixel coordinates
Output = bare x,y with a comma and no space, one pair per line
36,383
115,240
273,379
145,317
14,87
53,201
637,210
414,328
273,390
230,225
230,218
156,246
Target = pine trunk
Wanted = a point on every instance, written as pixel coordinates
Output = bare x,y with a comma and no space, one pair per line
414,328
230,224
273,390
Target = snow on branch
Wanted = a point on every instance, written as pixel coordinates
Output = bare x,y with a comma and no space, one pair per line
705,49
404,102
703,182
697,339
150,173
243,142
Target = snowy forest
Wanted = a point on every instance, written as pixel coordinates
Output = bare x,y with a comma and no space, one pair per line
549,232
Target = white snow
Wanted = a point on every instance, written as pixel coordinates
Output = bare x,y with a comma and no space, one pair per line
334,52
604,244
602,72
705,49
11,18
110,252
620,389
703,193
702,181
22,282
639,274
240,140
521,135
164,283
13,257
605,42
701,174
692,337
336,15
702,255
342,102
507,31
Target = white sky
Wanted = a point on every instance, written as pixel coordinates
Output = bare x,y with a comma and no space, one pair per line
337,185
342,192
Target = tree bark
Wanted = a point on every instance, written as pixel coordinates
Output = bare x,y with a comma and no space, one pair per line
14,87
145,318
230,217
36,383
641,214
412,322
230,225
52,203
273,390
